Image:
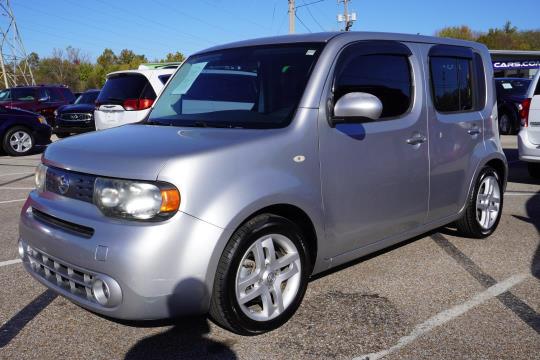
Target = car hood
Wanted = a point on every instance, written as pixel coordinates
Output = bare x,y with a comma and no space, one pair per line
17,111
77,108
141,151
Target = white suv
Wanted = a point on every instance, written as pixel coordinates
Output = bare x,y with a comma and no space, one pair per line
529,135
128,95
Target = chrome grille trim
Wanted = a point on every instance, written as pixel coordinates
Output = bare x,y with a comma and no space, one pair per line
77,281
76,116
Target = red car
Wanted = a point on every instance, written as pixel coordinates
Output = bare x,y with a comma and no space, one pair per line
41,99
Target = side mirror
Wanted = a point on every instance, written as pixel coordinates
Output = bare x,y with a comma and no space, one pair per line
43,99
356,107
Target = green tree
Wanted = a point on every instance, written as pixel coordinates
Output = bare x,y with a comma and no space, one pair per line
457,32
174,57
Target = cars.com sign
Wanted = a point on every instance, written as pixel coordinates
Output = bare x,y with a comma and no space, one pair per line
526,64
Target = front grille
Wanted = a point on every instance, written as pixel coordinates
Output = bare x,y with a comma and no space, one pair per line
70,227
76,116
56,272
70,184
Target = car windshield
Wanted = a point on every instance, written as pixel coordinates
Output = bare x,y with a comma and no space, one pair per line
251,87
87,98
513,87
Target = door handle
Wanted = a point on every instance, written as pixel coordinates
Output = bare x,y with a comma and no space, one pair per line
473,131
417,139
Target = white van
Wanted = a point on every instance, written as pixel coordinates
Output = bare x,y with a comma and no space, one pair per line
128,95
529,135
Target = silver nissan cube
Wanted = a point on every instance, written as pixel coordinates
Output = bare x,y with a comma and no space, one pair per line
262,163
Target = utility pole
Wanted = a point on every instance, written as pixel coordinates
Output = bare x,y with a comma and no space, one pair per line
292,14
13,58
347,18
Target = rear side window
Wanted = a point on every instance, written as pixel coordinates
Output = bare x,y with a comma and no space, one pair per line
23,94
452,84
164,78
120,87
387,76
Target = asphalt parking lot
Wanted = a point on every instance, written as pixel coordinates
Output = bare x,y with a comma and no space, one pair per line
436,296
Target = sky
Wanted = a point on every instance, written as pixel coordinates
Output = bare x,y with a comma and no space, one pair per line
156,27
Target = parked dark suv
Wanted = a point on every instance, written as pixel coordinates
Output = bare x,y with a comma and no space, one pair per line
76,118
510,94
41,99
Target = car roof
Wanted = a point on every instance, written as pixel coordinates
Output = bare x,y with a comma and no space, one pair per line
325,37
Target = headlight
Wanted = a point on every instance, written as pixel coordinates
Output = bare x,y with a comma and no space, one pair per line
39,178
42,119
55,113
135,200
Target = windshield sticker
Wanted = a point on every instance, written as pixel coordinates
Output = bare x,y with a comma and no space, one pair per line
311,52
507,85
189,79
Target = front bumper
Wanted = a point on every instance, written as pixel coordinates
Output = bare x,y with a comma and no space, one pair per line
42,135
70,127
162,269
528,151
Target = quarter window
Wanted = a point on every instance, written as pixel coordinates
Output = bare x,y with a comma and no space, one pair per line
452,84
388,77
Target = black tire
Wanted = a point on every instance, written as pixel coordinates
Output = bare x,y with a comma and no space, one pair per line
534,169
224,308
12,150
511,123
468,225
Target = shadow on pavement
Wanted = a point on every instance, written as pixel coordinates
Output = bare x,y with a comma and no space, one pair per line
532,208
186,338
16,324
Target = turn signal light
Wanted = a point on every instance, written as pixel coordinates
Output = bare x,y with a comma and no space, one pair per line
170,200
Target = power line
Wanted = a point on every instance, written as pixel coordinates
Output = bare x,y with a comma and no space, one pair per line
311,14
301,22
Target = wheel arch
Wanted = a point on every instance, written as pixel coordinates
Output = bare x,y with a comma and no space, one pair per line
296,215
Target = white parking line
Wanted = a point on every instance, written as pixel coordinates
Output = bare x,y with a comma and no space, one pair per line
11,201
447,315
522,193
10,262
21,173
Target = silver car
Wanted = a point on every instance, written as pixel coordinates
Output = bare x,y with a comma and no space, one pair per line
262,163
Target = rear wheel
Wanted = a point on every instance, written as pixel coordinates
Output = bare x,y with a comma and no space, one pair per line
534,169
484,206
506,124
18,141
262,276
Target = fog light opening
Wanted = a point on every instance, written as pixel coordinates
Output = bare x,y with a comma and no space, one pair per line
101,291
21,250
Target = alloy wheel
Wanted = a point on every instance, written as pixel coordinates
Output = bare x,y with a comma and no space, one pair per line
20,141
268,277
488,201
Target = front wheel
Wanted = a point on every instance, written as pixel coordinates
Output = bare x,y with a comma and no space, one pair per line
484,206
262,276
18,141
